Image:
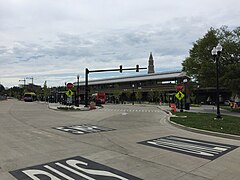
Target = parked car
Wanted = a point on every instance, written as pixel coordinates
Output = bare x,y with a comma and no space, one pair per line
227,102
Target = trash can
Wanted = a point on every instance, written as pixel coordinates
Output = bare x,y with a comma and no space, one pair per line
187,106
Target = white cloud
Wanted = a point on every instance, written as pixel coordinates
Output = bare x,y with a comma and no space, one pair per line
55,40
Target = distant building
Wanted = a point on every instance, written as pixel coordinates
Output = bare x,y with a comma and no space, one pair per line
162,83
150,64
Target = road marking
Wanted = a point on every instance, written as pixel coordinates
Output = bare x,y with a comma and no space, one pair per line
58,172
83,129
194,147
71,168
130,110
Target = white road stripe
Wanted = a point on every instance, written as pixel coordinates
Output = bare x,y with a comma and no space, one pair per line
73,171
132,110
187,147
188,140
175,148
195,145
58,172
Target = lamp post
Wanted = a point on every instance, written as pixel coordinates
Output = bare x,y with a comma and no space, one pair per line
133,95
78,93
216,52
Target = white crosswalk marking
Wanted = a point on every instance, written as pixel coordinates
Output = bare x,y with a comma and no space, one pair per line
130,110
208,150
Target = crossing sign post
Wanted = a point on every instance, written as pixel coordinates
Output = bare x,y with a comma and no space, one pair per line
179,95
69,85
179,87
69,93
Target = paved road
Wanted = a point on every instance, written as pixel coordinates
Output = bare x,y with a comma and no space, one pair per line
35,139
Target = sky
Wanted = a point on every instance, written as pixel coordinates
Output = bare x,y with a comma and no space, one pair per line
55,40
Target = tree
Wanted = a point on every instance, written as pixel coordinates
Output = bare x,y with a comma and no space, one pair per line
139,95
2,89
150,96
200,64
16,92
231,78
46,91
116,92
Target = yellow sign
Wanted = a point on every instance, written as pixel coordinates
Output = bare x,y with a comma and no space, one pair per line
69,93
179,95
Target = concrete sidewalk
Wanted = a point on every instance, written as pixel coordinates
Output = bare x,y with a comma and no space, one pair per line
205,109
56,106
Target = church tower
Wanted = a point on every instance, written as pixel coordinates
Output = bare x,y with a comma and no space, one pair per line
150,64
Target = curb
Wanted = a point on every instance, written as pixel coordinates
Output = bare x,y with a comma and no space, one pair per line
56,109
212,133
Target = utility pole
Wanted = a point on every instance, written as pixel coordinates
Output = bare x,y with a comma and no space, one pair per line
32,82
24,82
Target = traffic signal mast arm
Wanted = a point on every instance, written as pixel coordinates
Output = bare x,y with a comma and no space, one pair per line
104,70
120,69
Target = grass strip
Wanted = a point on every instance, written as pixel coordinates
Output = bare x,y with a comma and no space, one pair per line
205,121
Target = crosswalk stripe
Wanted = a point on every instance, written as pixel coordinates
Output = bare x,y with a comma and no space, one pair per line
194,147
186,147
129,110
189,151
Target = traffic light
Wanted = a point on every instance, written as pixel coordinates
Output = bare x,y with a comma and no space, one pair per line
120,69
137,68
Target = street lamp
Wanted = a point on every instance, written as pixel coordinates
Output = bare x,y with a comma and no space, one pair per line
216,52
133,94
78,93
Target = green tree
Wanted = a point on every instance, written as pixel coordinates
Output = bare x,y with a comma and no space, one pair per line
139,95
2,89
150,96
16,92
201,66
46,91
231,78
116,92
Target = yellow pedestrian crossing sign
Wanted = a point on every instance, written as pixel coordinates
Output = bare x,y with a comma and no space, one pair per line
69,93
179,95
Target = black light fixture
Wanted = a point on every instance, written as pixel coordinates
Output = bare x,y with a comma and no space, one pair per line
216,52
133,94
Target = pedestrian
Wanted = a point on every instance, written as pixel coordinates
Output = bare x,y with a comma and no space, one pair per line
231,105
160,102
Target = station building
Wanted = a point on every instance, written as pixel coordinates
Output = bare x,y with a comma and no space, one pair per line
161,86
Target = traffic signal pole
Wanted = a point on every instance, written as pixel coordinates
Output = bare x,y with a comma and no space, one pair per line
104,70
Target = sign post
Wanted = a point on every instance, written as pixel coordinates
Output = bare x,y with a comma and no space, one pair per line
69,85
179,87
180,96
69,94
